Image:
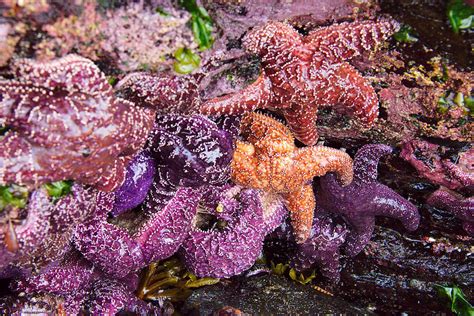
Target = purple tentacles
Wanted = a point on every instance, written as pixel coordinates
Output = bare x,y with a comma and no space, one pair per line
362,200
224,252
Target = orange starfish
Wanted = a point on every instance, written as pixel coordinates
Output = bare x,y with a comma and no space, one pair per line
269,160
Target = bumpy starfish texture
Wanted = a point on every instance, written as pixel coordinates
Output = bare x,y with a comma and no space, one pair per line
190,151
74,285
462,207
22,239
66,123
138,181
45,234
268,159
118,252
302,73
165,94
363,199
322,249
224,252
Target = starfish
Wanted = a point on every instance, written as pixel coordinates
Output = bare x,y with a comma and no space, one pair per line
268,159
165,94
302,73
138,181
460,206
190,151
222,252
65,123
44,234
117,251
363,199
321,249
74,285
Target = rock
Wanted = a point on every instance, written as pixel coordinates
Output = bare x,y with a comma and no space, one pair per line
397,273
265,295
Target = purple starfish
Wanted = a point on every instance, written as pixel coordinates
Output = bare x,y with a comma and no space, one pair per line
118,252
66,123
166,94
321,249
363,199
74,285
190,151
462,207
45,234
138,181
222,252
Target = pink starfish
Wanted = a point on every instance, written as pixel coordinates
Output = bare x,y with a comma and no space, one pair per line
302,73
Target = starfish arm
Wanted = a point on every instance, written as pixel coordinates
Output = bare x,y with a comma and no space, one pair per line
163,234
255,96
109,247
461,207
386,202
16,159
177,94
366,161
109,297
64,279
342,86
72,72
316,161
232,250
244,167
301,119
347,40
261,129
301,206
359,235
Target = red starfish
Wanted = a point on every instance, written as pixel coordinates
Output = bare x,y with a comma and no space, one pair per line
301,73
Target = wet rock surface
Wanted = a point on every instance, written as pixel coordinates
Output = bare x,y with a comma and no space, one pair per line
265,295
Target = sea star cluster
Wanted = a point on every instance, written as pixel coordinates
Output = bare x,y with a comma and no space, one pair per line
65,123
74,285
152,176
302,73
268,159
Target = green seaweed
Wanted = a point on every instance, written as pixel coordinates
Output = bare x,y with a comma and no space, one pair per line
186,61
58,189
169,280
201,23
13,196
405,35
460,15
457,300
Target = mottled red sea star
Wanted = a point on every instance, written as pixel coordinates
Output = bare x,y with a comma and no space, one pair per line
269,160
302,73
